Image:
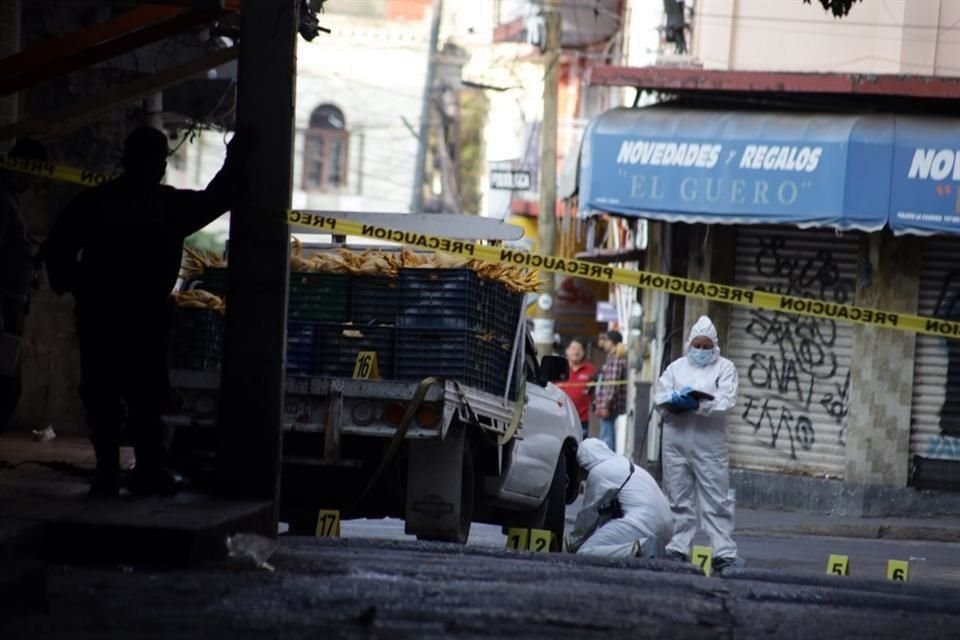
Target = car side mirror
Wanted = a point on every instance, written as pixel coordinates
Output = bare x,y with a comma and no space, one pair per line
554,369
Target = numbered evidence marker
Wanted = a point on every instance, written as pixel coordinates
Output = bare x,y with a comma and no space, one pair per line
898,570
518,539
366,367
703,558
541,540
838,565
328,524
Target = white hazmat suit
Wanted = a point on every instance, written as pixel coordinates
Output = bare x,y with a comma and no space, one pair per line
695,449
646,517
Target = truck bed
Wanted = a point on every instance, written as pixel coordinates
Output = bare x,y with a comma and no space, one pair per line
306,399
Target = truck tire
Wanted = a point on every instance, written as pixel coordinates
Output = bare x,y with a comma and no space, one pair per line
557,503
467,486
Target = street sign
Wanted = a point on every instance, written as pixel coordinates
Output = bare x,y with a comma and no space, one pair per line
513,180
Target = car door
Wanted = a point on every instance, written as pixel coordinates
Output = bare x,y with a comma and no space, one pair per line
548,419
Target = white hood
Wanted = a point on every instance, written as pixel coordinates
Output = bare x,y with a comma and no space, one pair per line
704,327
592,452
644,505
718,378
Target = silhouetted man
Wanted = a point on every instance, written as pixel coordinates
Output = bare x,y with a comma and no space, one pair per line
16,273
117,248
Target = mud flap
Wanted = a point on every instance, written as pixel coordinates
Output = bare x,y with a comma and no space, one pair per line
434,487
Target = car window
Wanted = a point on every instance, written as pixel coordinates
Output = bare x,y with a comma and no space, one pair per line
531,363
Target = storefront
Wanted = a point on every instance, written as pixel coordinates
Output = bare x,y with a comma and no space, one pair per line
812,205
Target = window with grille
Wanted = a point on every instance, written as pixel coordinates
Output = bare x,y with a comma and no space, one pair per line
325,150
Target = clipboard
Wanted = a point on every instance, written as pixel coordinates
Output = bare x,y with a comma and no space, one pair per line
700,396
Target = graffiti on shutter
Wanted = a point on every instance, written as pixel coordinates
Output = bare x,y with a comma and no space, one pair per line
794,371
935,421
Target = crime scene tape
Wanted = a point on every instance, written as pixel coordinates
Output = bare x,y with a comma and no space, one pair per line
602,383
54,171
328,223
635,278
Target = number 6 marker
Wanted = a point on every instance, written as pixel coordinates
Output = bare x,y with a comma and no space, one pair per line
898,570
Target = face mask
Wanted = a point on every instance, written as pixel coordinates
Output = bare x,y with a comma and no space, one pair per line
700,357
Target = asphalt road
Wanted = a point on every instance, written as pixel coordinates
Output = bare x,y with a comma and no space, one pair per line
931,563
375,582
395,589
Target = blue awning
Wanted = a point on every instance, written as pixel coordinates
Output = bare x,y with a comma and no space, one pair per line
925,189
739,167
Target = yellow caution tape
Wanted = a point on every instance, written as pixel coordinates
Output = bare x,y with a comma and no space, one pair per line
568,266
607,383
54,171
635,278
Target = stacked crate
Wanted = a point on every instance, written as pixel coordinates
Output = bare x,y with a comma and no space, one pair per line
197,340
318,297
314,300
447,323
453,324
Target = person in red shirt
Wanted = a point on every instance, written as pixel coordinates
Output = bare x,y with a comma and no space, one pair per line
582,372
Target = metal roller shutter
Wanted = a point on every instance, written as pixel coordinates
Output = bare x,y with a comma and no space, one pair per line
791,413
935,415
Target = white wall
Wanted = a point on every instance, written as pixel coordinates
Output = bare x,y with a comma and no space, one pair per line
878,36
374,72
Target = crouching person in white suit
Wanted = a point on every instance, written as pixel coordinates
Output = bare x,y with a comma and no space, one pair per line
646,524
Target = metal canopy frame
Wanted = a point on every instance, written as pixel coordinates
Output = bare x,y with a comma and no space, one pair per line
682,80
52,124
137,27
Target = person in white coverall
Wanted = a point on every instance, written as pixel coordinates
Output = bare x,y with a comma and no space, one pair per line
695,450
646,525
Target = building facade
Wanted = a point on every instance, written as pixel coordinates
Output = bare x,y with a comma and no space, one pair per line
820,398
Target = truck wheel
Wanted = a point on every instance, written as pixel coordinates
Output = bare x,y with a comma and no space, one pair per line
557,503
467,482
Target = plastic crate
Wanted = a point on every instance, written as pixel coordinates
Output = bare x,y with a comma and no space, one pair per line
501,310
441,299
339,344
301,348
320,297
374,300
459,355
196,341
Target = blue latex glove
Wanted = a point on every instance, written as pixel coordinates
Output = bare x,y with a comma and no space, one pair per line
682,400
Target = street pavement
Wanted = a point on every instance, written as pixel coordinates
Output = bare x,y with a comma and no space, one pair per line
782,541
363,588
377,582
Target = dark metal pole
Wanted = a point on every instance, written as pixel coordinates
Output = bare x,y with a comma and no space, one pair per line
251,403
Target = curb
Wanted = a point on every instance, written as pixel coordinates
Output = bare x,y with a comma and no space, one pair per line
879,532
